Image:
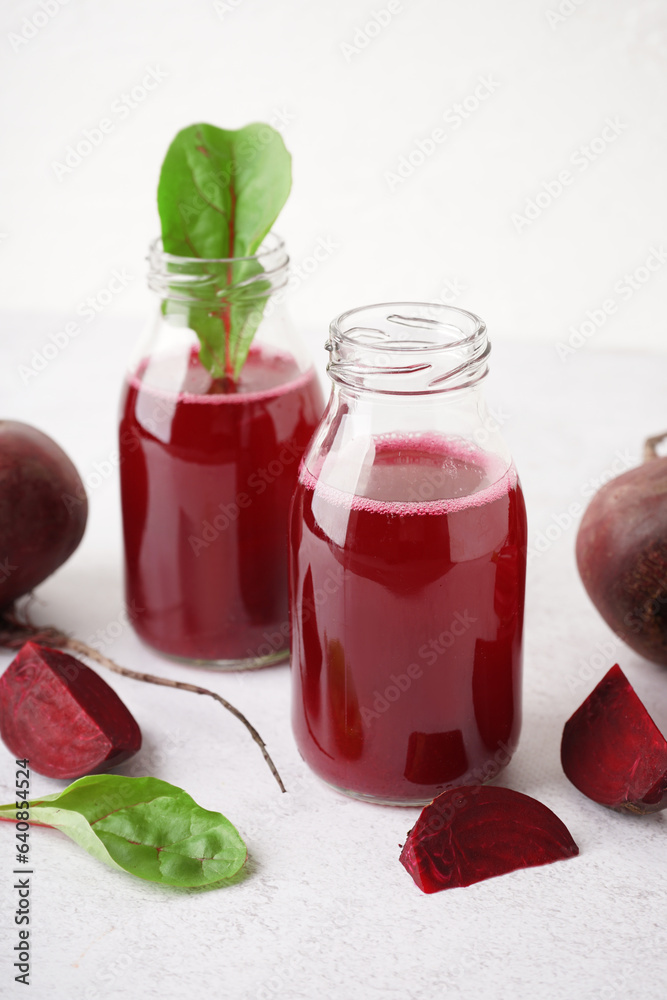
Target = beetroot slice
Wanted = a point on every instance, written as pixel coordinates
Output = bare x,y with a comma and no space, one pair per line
62,716
474,832
612,750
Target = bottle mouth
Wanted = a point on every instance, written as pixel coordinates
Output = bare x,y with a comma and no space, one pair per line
210,279
408,348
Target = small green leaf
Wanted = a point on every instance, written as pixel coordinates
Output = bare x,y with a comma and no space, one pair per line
144,826
219,194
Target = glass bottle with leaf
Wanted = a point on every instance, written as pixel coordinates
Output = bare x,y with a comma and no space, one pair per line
218,406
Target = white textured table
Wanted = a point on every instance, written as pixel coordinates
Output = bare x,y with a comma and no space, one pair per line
326,910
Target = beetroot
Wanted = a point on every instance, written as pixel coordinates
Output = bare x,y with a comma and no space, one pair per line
62,716
476,832
622,555
43,509
612,750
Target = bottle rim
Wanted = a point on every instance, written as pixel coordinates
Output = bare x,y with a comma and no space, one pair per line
408,348
203,279
271,244
478,325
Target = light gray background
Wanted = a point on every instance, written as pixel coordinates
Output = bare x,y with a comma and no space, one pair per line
326,910
349,116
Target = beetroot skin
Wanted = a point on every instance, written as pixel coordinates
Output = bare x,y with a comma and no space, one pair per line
622,557
43,509
612,750
58,713
475,832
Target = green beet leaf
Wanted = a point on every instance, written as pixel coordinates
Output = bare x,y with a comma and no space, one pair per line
144,826
219,194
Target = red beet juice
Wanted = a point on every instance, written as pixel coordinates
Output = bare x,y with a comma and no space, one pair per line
206,479
407,619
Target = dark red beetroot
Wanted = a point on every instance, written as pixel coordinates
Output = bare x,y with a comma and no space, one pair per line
43,509
62,716
622,555
612,750
476,832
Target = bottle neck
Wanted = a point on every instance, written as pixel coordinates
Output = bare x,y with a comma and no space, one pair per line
406,372
461,413
211,282
205,304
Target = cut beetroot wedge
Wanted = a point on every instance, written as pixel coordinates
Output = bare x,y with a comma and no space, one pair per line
612,750
62,716
476,832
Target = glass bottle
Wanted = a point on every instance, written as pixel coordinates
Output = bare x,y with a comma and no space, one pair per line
208,465
407,563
